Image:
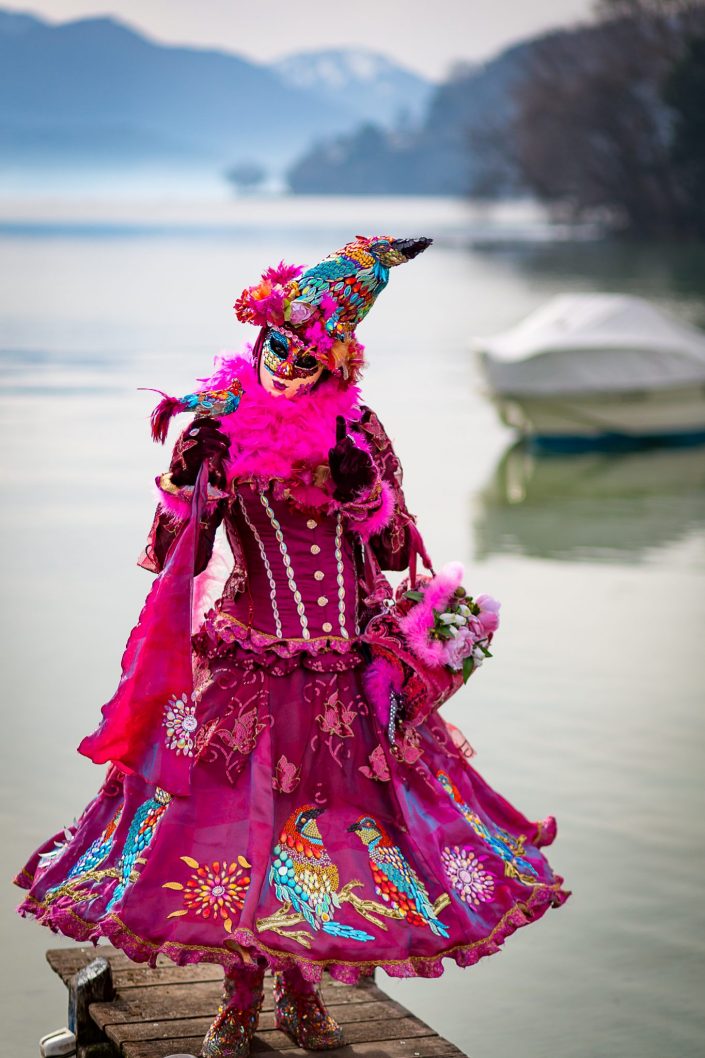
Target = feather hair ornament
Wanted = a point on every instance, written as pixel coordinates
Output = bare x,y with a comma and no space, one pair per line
214,402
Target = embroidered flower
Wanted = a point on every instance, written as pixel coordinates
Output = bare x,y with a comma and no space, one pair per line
215,890
245,731
408,744
58,849
378,768
336,718
286,776
181,724
465,872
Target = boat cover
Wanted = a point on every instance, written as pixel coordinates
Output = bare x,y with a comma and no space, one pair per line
582,343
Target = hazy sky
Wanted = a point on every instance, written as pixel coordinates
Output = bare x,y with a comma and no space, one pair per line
425,35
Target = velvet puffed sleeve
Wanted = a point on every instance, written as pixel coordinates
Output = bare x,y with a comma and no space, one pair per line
392,541
172,514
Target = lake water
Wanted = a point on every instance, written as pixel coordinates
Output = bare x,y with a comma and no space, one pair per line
593,706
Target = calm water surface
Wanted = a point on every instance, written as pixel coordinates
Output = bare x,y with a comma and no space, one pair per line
593,706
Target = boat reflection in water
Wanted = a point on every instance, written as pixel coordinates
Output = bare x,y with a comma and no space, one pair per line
592,505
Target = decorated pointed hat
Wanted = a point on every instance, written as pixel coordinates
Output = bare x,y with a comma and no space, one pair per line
325,303
321,305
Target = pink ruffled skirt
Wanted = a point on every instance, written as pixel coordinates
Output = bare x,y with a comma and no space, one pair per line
307,837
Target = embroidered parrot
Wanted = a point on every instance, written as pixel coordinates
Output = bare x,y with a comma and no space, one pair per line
502,844
395,880
142,829
304,876
85,866
99,851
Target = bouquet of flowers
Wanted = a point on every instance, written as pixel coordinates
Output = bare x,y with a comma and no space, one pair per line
425,645
447,626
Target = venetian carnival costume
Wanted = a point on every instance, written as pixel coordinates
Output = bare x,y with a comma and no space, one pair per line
282,791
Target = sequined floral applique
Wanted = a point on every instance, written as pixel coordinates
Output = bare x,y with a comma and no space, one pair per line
232,735
214,890
336,718
181,725
407,747
466,873
57,849
286,776
335,722
232,738
377,767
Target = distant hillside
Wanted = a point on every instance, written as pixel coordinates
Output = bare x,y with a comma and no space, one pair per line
451,152
361,80
541,118
96,91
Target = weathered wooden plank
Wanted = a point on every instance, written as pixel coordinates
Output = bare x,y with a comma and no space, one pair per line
411,1043
121,1032
425,1046
358,1032
127,974
148,977
199,999
419,1047
68,961
168,1009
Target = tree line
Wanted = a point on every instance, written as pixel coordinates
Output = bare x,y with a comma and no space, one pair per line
610,125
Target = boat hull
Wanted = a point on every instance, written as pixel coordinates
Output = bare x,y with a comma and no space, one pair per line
585,420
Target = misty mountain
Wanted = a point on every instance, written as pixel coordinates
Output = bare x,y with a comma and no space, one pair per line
96,91
453,151
360,80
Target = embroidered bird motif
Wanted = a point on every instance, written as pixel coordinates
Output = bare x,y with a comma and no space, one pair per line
304,876
86,866
98,851
141,831
395,880
502,844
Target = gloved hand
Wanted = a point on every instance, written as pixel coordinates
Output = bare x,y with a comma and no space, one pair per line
352,469
202,440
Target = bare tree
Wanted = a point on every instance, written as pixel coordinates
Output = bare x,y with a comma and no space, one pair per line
593,133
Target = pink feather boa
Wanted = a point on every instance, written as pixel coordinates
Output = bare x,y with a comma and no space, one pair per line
283,442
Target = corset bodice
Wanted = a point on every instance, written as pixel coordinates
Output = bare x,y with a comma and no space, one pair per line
301,577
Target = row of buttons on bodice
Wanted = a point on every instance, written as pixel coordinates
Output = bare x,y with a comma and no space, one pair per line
302,566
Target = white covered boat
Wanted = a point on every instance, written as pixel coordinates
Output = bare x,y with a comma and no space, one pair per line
593,368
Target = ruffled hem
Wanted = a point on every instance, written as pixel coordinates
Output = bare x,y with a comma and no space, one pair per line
65,920
546,830
222,631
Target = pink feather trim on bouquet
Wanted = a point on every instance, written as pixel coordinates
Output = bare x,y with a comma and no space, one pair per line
446,625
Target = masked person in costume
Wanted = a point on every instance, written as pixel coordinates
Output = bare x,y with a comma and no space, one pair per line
282,794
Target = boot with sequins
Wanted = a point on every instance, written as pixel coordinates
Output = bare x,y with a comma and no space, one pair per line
300,1012
236,1021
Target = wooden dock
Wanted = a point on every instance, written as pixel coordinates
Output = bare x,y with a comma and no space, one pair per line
158,1012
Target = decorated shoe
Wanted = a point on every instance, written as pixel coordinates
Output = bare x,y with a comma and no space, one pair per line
300,1012
238,1014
